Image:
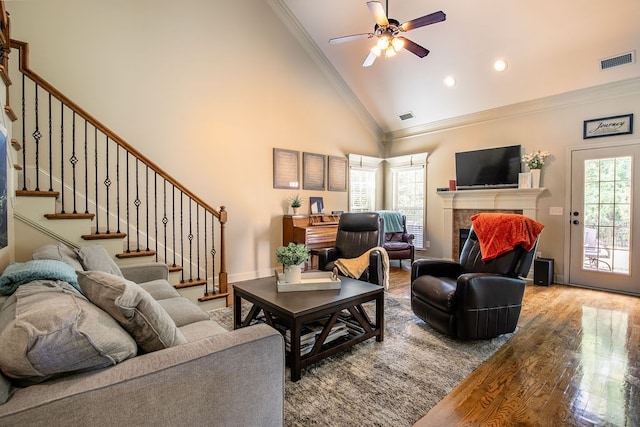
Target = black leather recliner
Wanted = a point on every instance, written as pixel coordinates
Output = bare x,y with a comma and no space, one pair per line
471,299
357,233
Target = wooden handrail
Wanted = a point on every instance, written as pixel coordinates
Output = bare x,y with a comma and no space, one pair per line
23,48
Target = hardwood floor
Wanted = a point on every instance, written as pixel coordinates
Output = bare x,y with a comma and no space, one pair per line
575,360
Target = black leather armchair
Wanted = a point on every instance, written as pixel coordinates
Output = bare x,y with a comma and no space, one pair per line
357,233
471,299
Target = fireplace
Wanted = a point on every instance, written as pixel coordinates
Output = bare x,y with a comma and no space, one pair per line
459,206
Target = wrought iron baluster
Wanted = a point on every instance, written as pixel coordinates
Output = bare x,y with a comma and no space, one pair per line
213,253
24,139
50,147
206,259
118,189
127,203
62,157
136,202
36,136
173,226
190,237
155,212
95,160
198,243
73,160
107,184
86,170
182,235
165,220
146,182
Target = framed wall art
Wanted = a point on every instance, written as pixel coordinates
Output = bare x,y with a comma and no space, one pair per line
286,168
337,174
313,171
608,126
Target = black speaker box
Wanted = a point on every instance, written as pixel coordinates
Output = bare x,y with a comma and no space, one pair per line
543,271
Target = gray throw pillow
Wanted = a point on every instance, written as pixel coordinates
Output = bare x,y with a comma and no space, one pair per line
47,328
58,252
133,307
96,258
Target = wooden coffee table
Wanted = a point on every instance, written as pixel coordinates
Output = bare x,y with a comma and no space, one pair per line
294,313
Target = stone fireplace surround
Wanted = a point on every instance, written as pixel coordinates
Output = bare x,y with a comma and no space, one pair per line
459,206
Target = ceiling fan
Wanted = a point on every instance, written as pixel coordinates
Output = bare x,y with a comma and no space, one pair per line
387,31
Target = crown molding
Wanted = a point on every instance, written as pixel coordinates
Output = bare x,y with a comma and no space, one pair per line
563,100
301,35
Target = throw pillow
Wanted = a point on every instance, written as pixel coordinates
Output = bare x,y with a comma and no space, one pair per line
19,273
96,258
133,307
58,252
47,328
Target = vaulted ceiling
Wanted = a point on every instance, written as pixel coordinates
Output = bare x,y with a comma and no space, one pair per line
550,47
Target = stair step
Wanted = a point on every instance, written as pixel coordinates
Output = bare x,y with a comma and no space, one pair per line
15,144
135,254
190,283
33,193
70,216
174,268
17,167
104,236
213,296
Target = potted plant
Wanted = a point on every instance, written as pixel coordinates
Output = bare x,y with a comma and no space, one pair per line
535,161
292,256
296,202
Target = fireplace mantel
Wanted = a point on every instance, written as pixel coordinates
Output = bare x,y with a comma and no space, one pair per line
525,199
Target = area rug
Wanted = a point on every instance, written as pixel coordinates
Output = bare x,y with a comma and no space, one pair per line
389,383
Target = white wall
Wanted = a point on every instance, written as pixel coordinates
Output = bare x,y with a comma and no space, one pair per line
206,89
552,124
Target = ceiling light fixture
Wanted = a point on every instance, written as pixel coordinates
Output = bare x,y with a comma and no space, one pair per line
500,65
449,81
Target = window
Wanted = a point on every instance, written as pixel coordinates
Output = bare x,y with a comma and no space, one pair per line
408,178
362,190
362,183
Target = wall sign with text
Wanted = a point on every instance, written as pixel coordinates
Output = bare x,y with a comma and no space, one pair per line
608,126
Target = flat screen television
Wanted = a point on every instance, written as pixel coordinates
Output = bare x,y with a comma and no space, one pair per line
489,168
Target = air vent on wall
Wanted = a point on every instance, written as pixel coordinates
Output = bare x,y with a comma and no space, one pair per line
616,61
406,116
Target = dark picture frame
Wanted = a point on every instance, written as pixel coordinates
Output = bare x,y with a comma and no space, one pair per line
337,180
313,171
608,126
286,169
316,205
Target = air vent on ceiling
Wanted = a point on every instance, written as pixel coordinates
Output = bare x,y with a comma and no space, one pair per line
406,116
616,61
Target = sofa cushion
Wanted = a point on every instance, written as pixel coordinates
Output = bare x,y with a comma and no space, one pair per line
183,311
96,258
48,328
160,289
58,252
133,307
203,329
19,273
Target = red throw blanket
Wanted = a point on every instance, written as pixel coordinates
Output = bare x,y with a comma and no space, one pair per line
499,233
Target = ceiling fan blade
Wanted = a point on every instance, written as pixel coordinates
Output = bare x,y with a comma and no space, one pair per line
414,48
378,13
344,39
369,60
432,18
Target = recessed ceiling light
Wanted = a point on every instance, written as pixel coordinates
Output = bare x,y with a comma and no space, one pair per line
500,65
449,81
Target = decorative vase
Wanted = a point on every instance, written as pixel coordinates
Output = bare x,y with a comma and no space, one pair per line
292,273
295,210
535,178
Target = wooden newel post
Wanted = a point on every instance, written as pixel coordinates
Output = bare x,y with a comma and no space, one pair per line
222,277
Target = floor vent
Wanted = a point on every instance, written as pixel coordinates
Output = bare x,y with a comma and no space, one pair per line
406,116
616,61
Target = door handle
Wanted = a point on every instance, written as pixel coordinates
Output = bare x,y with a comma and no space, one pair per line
575,213
576,222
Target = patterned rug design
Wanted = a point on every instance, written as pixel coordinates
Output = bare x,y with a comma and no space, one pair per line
391,383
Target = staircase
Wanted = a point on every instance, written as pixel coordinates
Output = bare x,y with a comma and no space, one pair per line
81,184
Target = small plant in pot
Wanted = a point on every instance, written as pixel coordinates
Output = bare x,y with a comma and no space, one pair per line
292,256
296,202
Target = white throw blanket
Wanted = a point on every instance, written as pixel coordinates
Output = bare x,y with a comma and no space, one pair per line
354,267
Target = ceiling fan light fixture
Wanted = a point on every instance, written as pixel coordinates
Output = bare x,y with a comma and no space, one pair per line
376,50
383,42
389,52
449,81
500,65
397,44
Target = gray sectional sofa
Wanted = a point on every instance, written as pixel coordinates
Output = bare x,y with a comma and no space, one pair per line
120,346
